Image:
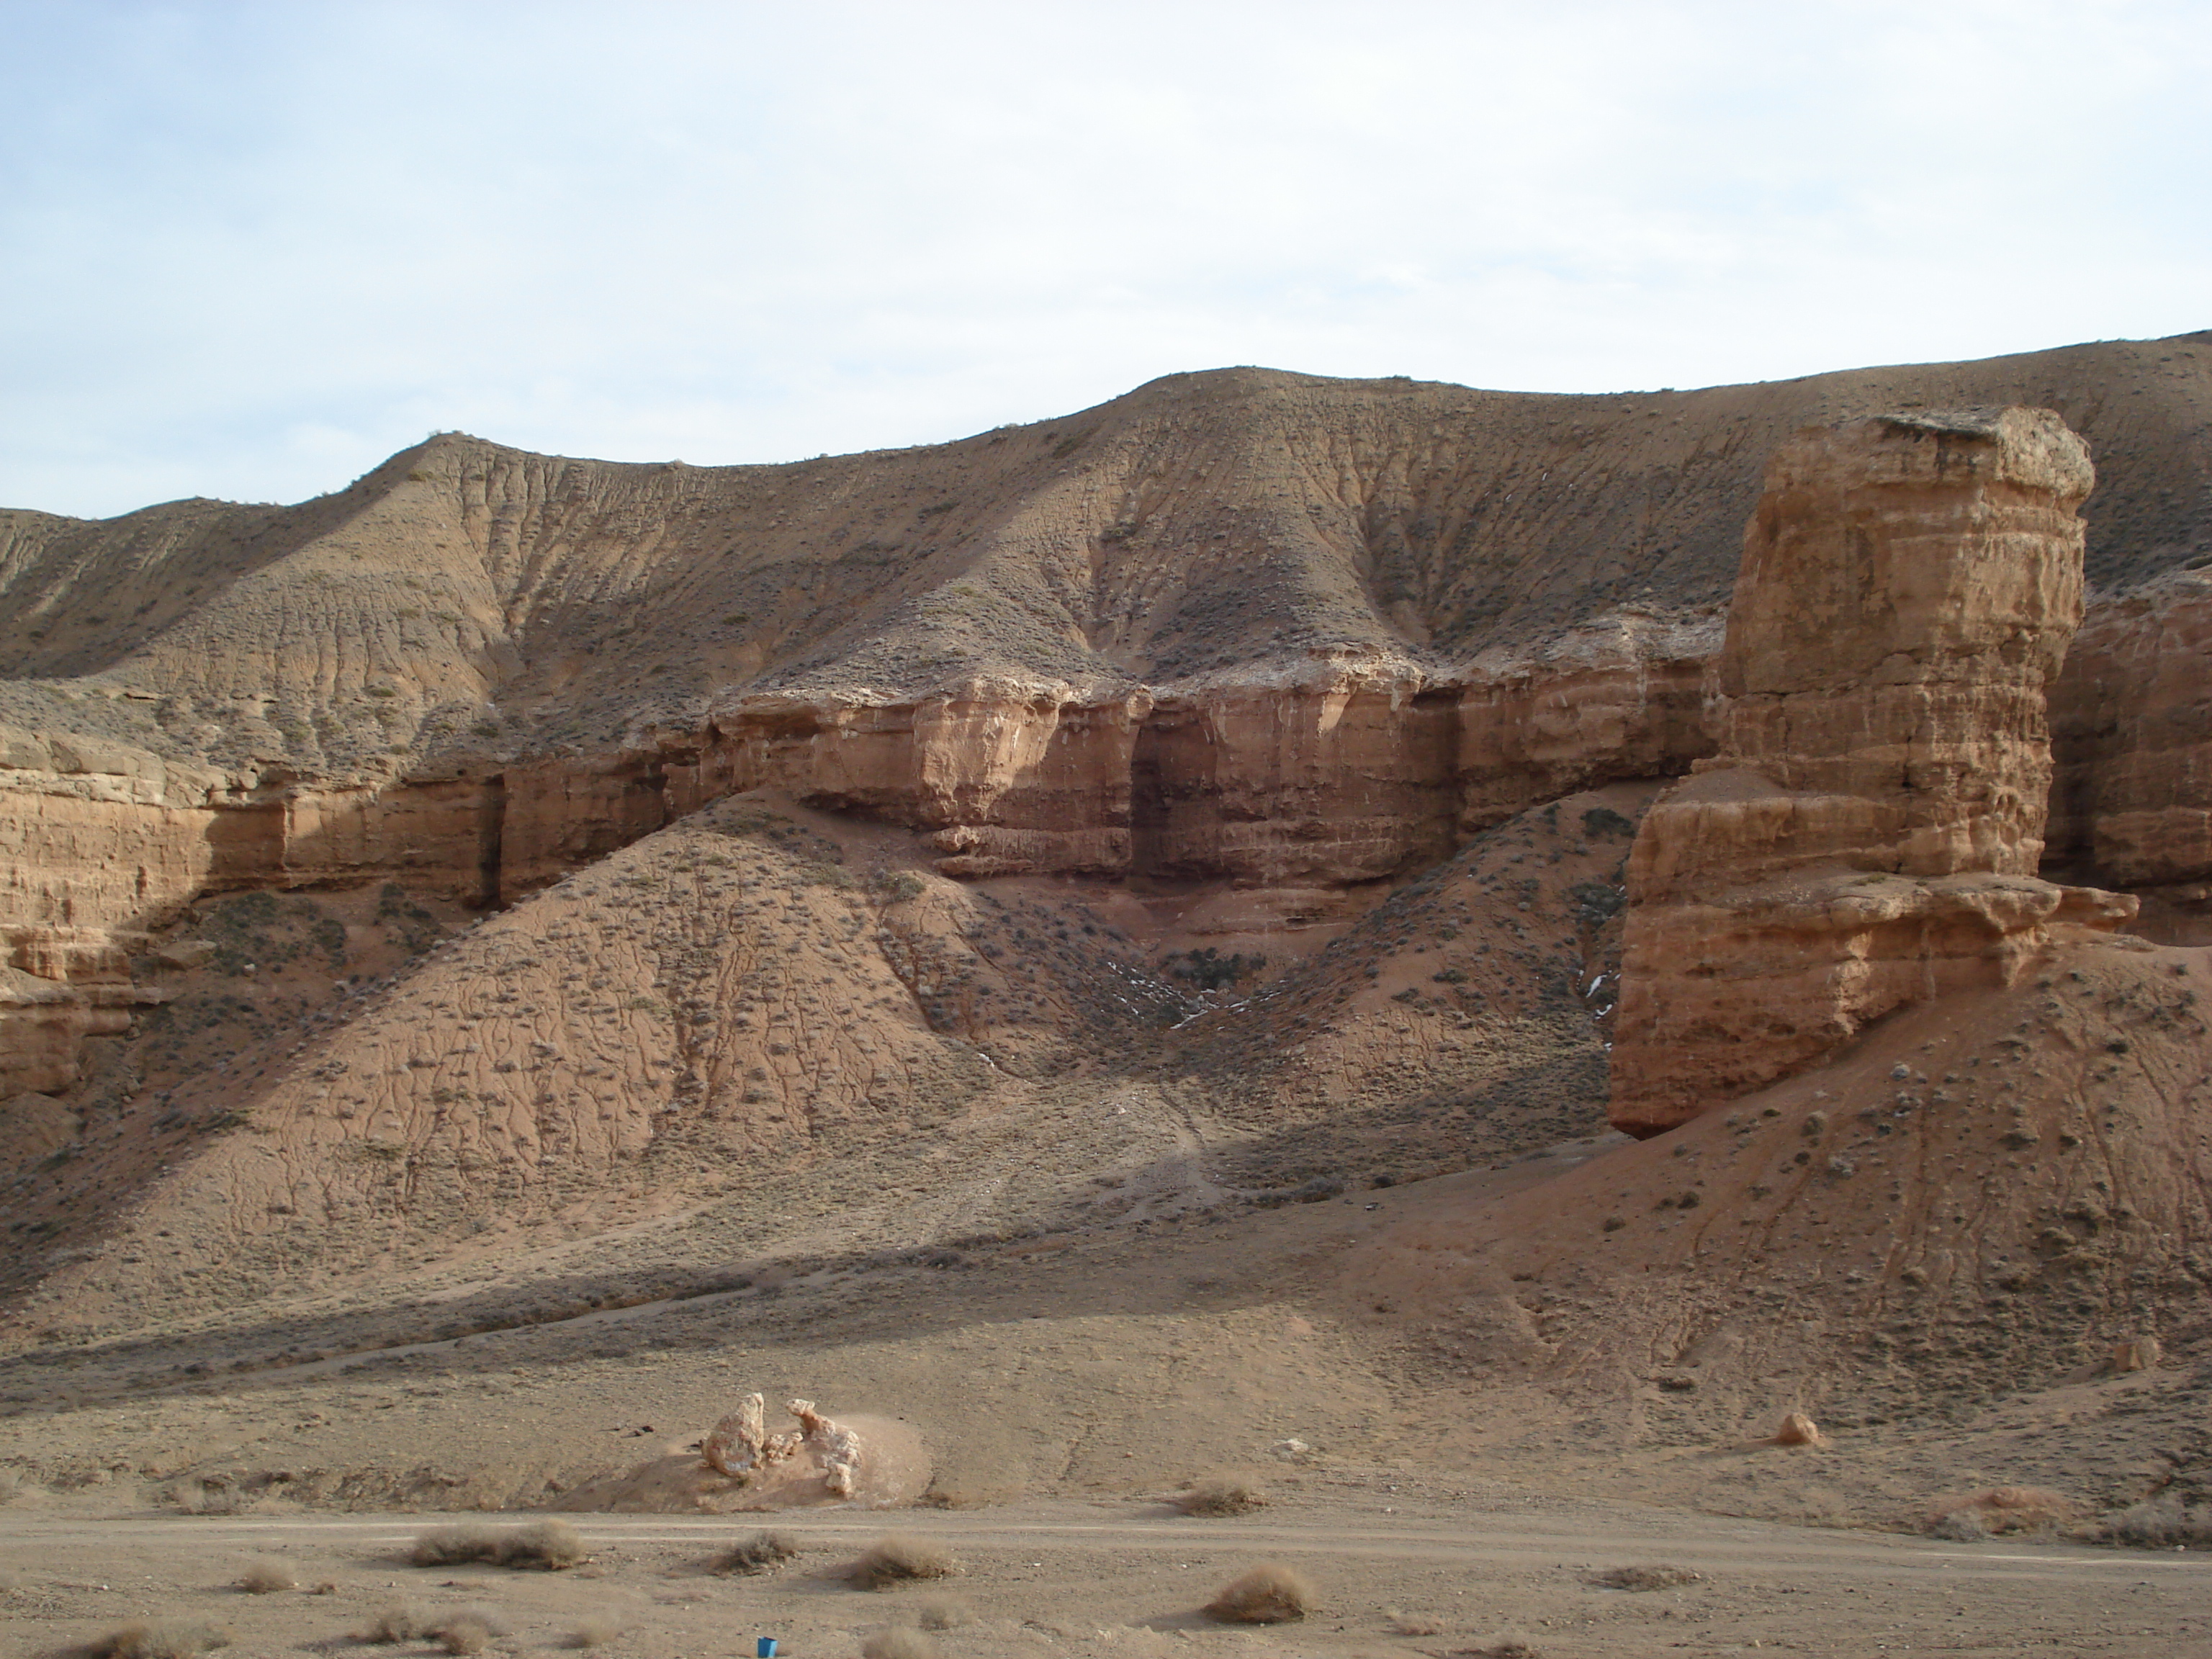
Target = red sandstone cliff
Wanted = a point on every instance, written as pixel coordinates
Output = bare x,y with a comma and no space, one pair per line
1868,835
1245,627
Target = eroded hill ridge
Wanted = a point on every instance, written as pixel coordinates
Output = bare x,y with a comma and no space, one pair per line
1292,634
815,906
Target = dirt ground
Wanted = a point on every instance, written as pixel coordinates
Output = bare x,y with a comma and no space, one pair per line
1460,1569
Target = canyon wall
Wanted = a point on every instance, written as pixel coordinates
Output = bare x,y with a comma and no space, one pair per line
1248,627
2131,720
1869,834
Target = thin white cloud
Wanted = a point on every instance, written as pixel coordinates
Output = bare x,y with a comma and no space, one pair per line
251,250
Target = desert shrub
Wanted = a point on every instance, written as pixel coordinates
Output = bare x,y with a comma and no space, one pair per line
403,1623
2160,1523
1270,1593
1412,1623
943,1612
266,1578
1604,821
762,1552
207,1498
1646,1578
956,1492
2005,1508
446,1546
160,1638
898,1643
1597,902
895,1560
1961,1527
550,1545
594,1633
466,1629
1220,1494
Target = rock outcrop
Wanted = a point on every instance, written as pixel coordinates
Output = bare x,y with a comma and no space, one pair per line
1869,833
2132,727
1296,635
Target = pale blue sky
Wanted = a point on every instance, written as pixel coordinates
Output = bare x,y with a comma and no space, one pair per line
249,249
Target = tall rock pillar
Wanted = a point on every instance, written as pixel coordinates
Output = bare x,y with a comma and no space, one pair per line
1868,834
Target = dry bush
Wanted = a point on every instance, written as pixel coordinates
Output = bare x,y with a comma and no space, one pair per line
943,1612
1270,1593
447,1547
266,1578
899,1643
199,1497
160,1638
958,1492
1220,1494
763,1552
1960,1526
1506,1644
896,1560
467,1629
594,1633
403,1623
549,1545
2160,1523
2002,1508
1412,1623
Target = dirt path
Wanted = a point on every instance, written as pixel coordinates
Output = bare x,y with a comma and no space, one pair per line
1121,1578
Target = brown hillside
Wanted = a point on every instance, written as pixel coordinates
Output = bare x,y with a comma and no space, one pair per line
1098,942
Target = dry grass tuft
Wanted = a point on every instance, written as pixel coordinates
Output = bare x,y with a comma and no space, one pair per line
899,1643
447,1547
552,1546
1220,1494
467,1629
1412,1623
1646,1578
266,1578
2160,1523
763,1552
1270,1593
160,1638
403,1623
943,1612
2000,1509
896,1560
594,1633
957,1493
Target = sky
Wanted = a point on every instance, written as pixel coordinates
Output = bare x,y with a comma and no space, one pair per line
248,251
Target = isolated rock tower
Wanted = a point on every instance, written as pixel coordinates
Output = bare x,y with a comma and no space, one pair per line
1868,834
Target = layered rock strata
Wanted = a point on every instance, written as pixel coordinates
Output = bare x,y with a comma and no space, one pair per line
1868,835
1337,775
2132,721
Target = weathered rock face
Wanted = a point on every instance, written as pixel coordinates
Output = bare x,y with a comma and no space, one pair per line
1295,634
2132,721
1867,835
